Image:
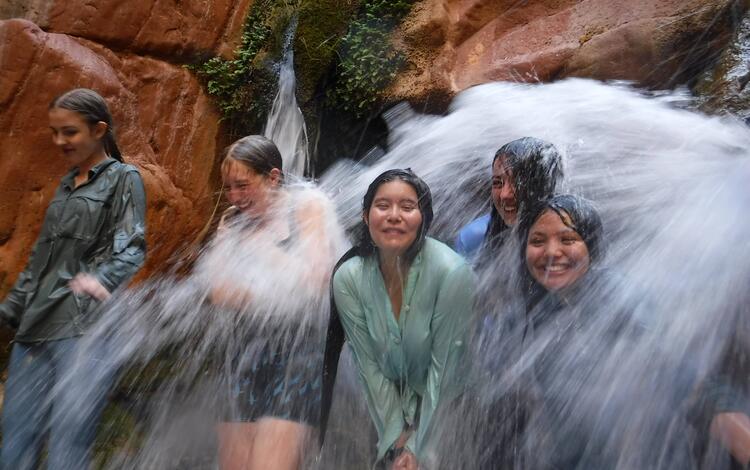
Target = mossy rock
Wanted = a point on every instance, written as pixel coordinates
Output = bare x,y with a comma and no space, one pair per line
322,24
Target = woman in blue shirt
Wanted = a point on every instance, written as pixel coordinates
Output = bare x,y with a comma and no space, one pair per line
404,301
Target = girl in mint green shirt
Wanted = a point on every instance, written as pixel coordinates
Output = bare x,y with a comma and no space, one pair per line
404,301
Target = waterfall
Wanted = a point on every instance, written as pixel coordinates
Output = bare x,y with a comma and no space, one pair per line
286,125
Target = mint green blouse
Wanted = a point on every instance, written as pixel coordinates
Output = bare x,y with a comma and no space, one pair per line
407,366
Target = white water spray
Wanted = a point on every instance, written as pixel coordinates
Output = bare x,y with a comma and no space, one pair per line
671,187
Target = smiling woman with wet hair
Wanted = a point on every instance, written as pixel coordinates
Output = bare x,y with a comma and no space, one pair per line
569,413
272,407
404,301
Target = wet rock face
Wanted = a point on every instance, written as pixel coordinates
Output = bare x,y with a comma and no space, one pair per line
724,88
452,45
164,122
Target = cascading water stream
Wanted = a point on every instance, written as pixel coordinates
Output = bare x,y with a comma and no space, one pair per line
286,124
671,186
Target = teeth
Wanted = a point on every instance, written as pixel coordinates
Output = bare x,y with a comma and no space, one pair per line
555,269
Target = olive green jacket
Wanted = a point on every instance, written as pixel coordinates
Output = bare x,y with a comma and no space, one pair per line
96,228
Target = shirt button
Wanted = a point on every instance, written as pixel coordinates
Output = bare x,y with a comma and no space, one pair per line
406,308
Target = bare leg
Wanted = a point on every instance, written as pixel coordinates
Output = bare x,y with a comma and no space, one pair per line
278,444
236,441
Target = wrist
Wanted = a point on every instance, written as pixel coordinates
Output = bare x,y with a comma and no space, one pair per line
392,454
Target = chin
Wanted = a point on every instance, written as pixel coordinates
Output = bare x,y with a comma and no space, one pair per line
510,220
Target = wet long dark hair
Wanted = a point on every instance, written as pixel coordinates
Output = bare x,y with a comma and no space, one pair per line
256,152
576,212
93,109
364,246
536,168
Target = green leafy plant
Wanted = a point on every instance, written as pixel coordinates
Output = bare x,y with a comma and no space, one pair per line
368,62
244,86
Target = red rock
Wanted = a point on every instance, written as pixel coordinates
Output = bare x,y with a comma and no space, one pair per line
452,45
164,28
164,122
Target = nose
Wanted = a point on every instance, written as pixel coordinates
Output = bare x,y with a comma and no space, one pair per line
507,193
552,249
57,139
232,195
394,215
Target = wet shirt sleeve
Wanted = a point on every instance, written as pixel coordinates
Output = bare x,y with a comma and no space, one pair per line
12,308
448,329
383,398
129,237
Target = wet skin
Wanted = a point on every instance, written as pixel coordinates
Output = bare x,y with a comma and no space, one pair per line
556,255
394,218
503,192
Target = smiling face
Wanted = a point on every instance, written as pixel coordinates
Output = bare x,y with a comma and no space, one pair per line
80,142
504,192
394,218
248,190
556,255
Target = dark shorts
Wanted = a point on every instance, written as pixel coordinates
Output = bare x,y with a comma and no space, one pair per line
277,382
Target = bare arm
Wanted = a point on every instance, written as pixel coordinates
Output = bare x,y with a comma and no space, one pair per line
732,429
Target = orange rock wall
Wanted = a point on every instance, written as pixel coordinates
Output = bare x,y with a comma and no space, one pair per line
454,44
132,53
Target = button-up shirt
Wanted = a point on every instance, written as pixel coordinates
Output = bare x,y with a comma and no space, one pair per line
96,228
407,365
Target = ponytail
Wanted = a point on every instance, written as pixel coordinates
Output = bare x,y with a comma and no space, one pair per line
92,107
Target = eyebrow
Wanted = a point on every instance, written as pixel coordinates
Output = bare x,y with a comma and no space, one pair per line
385,199
564,231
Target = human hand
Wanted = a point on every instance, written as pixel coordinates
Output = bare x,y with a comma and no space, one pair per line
86,284
732,429
405,461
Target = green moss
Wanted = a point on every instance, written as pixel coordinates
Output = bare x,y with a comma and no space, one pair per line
322,24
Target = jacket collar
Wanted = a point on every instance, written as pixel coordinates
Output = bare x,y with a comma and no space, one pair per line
95,171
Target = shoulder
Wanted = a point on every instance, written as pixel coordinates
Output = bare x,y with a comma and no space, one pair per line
439,256
123,168
476,228
125,174
308,200
471,236
349,271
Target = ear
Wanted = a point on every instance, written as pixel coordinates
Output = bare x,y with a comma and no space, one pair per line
99,129
274,176
366,218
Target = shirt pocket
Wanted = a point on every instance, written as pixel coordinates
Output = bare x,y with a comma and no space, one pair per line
84,216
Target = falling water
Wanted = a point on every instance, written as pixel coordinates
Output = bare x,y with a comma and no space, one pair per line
286,124
671,186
